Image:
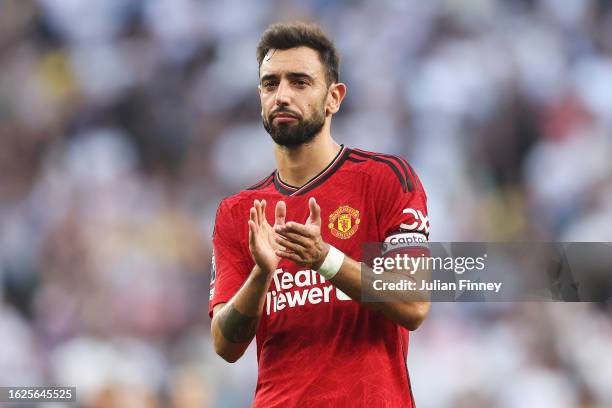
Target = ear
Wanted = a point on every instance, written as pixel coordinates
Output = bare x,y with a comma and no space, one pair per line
336,94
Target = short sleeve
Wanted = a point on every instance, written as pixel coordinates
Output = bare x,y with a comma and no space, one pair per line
401,206
230,267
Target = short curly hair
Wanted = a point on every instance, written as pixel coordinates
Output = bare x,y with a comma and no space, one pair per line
283,36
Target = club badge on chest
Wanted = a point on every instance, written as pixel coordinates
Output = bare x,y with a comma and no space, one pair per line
344,222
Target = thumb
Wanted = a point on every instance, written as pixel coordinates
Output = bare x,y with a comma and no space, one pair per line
280,213
252,234
315,211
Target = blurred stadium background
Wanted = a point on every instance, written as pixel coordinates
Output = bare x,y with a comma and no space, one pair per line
124,122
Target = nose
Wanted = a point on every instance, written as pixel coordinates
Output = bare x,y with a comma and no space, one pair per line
283,94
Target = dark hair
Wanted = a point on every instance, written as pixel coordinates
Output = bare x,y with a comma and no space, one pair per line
284,36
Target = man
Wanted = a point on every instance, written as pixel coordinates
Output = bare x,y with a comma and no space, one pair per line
286,258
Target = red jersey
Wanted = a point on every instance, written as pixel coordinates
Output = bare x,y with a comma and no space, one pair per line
316,347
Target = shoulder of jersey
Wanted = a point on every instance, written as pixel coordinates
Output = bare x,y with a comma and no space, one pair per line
382,166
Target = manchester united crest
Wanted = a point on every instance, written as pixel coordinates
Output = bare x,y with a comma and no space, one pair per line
343,222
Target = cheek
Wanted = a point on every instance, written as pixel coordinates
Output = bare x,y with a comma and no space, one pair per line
266,107
320,105
266,99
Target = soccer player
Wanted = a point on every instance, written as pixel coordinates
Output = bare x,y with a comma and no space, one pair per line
286,263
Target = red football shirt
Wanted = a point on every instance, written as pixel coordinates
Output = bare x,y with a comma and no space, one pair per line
315,346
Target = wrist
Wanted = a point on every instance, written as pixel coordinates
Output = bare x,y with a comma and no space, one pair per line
332,263
261,274
317,264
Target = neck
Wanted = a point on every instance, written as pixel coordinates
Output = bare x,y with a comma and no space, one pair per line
298,164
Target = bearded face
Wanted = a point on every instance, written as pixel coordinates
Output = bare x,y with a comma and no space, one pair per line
289,129
294,93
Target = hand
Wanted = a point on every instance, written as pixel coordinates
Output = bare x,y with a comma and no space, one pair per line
261,235
302,243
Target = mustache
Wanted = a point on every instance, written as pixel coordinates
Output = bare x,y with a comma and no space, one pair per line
283,110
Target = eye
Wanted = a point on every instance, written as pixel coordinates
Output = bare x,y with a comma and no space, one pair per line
300,82
268,84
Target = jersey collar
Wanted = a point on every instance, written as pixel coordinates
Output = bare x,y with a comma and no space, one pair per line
289,190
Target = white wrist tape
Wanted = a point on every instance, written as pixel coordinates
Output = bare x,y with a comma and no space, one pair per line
332,263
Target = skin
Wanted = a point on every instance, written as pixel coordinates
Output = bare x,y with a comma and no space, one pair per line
295,80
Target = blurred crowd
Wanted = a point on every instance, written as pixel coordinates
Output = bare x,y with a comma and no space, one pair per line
124,122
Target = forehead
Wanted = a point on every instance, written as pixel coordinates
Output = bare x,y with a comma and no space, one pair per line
300,59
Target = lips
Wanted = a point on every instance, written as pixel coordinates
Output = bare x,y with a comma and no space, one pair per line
284,117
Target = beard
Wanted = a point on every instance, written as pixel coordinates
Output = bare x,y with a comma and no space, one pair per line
291,135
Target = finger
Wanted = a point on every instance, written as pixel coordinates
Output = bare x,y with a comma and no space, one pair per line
263,211
252,233
295,238
282,248
280,213
290,256
253,214
297,228
260,214
315,211
292,246
256,206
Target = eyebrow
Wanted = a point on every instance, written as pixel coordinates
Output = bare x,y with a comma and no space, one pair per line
291,75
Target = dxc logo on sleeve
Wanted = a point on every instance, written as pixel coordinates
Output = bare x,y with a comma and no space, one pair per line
417,221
